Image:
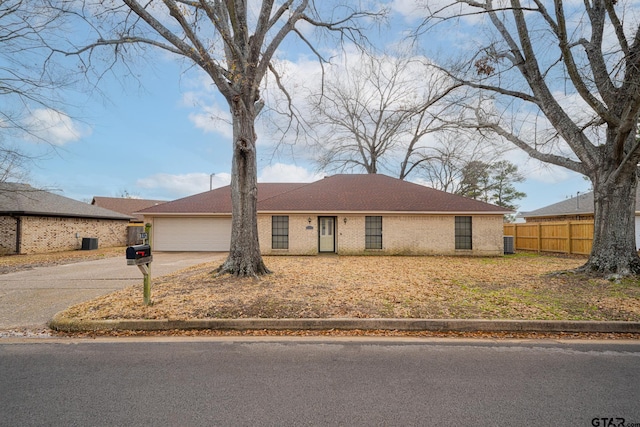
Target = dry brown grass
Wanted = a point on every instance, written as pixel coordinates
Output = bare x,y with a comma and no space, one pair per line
510,287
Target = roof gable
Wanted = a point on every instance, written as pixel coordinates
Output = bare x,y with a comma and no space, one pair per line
337,193
22,199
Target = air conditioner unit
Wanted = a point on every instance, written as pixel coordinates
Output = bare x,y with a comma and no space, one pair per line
89,243
509,247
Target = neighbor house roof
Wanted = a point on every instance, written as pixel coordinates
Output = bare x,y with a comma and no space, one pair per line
125,206
582,204
337,193
22,200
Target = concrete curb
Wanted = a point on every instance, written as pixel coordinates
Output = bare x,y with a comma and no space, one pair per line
62,323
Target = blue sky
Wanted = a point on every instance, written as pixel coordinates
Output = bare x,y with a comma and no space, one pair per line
153,141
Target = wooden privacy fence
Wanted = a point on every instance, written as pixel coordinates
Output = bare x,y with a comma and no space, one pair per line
571,237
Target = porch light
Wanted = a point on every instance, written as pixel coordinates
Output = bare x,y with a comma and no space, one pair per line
345,219
309,220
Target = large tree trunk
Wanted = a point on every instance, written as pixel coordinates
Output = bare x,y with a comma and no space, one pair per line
614,246
244,254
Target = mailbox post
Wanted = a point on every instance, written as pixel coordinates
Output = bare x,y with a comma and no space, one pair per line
140,255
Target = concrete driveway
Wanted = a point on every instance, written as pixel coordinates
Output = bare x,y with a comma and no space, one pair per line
30,298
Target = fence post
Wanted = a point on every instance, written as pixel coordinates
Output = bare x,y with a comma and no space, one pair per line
569,238
539,236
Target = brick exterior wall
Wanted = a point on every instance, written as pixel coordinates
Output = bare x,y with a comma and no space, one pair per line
302,240
52,234
401,235
8,233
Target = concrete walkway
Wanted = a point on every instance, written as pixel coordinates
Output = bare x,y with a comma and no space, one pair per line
29,299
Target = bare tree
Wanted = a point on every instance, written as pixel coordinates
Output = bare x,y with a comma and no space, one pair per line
449,158
234,43
578,66
373,115
28,78
12,164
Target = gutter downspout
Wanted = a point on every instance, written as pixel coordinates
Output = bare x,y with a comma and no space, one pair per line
18,235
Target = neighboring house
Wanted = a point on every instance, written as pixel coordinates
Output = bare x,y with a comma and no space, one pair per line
576,208
344,214
126,206
37,221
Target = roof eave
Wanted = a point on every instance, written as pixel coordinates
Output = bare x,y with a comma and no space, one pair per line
328,212
173,214
386,212
63,215
542,215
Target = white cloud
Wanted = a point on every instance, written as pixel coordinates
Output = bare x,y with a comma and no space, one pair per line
537,171
281,172
177,186
210,112
212,119
411,10
185,184
54,127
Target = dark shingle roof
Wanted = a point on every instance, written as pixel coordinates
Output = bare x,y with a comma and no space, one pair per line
22,199
580,205
372,192
217,200
124,205
338,193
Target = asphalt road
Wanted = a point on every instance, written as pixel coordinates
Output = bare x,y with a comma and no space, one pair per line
30,298
368,382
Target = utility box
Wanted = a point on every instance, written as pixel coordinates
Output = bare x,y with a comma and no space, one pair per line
509,247
89,243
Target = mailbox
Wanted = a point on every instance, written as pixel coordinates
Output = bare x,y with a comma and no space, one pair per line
138,254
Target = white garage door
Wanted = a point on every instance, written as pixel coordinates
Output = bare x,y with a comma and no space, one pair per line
191,234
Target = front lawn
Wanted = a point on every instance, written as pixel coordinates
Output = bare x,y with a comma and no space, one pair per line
436,287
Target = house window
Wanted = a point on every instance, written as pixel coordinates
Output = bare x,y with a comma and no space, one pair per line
279,232
463,232
373,232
